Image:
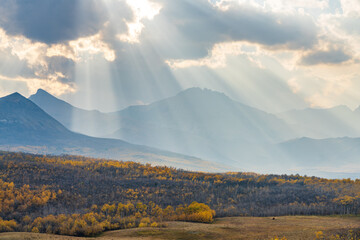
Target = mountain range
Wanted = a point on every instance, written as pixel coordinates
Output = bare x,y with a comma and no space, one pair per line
339,121
210,125
196,121
26,127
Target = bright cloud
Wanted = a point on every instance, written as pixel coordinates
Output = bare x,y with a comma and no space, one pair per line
49,84
218,55
82,49
23,48
142,9
280,5
38,56
350,8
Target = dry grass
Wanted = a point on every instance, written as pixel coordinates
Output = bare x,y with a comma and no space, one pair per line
293,228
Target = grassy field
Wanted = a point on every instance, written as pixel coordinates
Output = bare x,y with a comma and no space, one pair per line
294,227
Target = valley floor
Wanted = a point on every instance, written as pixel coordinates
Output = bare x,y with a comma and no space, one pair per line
291,227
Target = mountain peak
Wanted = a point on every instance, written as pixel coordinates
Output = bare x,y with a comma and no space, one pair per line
20,116
201,92
40,90
16,100
42,96
14,97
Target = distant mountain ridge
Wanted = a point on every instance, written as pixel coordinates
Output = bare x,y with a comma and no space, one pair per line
203,123
208,124
333,122
331,156
26,127
196,121
339,121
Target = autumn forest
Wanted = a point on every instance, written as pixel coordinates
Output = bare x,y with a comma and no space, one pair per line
80,196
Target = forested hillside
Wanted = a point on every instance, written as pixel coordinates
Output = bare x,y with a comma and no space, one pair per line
81,196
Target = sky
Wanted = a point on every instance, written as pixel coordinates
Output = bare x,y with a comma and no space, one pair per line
107,54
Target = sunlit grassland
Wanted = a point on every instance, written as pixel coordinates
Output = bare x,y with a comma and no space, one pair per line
291,227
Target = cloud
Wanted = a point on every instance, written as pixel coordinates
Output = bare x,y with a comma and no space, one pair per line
27,61
217,56
280,5
188,29
315,67
350,8
61,21
50,84
331,91
142,9
351,25
331,56
71,63
83,48
48,66
52,21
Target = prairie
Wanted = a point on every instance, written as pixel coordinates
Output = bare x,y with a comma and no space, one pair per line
233,228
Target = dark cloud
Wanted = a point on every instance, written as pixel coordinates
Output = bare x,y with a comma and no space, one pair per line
54,21
183,29
332,56
188,29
